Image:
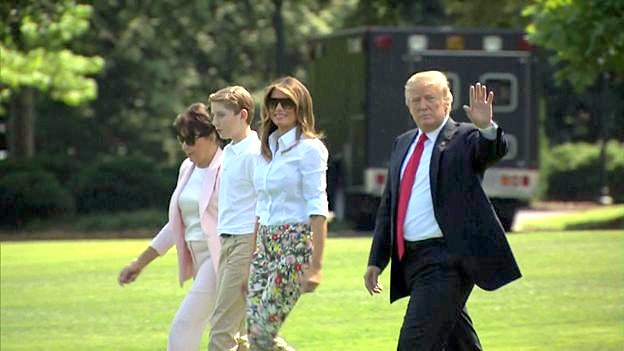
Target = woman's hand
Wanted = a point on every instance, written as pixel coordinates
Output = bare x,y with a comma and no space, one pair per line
312,273
132,271
129,273
311,278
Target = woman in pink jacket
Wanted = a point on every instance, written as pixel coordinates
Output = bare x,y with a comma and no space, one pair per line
191,227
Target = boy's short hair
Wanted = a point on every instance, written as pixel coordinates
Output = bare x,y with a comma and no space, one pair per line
236,98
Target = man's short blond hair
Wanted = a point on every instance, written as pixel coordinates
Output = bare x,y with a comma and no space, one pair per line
435,78
236,98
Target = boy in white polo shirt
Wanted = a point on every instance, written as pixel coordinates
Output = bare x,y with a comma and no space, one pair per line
232,111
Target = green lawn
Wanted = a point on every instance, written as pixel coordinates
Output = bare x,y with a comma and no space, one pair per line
63,296
597,218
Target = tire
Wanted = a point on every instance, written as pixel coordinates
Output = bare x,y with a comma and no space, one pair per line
506,211
507,220
362,210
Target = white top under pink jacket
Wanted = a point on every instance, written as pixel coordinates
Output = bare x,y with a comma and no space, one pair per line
173,232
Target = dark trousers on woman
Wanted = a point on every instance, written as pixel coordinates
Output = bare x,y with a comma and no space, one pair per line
436,318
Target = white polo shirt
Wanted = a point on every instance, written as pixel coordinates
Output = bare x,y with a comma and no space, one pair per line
237,196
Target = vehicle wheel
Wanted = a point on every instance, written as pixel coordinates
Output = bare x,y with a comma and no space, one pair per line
362,210
506,220
506,211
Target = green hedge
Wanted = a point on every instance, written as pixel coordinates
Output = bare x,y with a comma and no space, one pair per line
122,184
574,172
147,219
46,186
27,191
63,167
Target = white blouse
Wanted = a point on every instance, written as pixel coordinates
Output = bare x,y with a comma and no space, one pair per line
189,205
292,186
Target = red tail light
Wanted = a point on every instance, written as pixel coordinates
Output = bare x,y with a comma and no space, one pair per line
523,44
380,179
384,41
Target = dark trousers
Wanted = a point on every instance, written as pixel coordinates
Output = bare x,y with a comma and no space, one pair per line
436,318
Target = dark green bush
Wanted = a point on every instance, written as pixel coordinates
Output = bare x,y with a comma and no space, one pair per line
27,192
63,167
575,171
11,165
615,171
147,219
122,184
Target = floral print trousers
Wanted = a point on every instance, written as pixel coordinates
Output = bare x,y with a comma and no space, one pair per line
282,251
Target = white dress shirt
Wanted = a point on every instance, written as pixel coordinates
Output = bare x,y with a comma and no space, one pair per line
237,196
189,205
292,186
420,222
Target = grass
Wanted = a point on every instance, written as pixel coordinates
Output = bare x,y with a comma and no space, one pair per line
597,218
62,295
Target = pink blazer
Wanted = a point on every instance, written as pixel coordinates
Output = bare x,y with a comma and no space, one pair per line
173,232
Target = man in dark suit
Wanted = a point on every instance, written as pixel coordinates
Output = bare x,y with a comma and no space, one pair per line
435,221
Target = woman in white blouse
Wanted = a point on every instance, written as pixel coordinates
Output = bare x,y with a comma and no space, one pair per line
191,227
290,181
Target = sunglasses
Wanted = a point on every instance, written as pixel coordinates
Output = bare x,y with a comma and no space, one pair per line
188,139
287,104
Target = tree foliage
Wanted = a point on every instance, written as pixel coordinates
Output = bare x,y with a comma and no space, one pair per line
34,50
161,56
585,35
397,13
486,13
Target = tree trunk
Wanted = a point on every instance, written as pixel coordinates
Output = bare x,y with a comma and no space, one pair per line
21,126
281,61
21,123
604,195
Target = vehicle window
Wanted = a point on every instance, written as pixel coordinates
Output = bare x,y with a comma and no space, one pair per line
505,87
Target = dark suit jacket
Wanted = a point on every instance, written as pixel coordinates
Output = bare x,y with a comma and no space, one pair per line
472,231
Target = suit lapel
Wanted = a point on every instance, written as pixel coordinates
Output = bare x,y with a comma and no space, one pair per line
209,181
396,162
174,209
443,140
183,180
402,147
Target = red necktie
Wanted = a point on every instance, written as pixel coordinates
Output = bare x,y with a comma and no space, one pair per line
405,191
